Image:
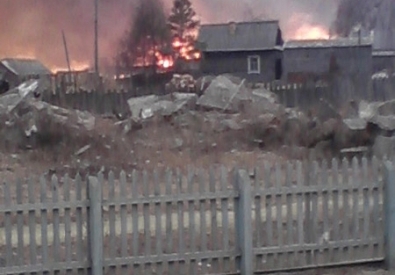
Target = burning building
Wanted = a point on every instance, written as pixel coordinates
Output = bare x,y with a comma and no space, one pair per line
251,50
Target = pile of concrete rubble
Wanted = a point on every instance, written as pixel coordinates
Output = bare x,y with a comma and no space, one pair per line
226,104
24,117
181,83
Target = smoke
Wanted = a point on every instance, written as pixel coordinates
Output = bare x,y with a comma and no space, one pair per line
292,13
366,16
33,28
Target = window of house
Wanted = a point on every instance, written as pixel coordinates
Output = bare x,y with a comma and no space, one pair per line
278,70
254,66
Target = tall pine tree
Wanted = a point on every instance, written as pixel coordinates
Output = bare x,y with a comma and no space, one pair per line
148,33
182,20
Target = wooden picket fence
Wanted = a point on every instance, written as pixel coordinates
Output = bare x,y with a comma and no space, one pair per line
278,217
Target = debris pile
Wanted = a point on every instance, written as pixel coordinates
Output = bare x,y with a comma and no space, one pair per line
181,83
248,116
25,118
259,114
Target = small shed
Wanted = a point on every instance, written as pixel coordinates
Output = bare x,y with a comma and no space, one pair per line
250,50
17,70
383,60
345,63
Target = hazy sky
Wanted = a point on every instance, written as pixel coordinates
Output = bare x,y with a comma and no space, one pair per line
33,27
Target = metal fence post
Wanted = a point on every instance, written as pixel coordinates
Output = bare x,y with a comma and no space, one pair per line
389,212
96,225
243,222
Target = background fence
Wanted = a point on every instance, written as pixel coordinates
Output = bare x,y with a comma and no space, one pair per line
275,217
291,95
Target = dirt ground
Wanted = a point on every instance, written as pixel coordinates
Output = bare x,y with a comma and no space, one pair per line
156,145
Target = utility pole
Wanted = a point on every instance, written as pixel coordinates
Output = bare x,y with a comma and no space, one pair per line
66,52
96,37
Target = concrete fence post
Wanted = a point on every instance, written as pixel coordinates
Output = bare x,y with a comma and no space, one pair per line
389,212
95,225
243,222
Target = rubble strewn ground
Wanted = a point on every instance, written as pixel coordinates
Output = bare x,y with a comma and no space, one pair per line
230,124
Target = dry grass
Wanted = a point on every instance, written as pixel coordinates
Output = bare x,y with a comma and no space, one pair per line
158,144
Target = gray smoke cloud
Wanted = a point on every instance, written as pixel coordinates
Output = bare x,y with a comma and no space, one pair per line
373,15
33,28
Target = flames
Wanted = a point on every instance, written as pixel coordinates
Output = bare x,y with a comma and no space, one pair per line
185,50
75,66
154,56
180,50
303,27
164,61
308,32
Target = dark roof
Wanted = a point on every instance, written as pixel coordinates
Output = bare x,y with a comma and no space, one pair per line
248,36
24,67
327,43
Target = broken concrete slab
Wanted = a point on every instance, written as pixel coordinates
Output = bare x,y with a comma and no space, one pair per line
262,93
355,123
381,114
23,115
230,124
148,106
223,94
12,98
138,104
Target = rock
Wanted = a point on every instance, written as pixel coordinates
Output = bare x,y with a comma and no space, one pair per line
129,125
262,93
384,146
138,104
202,83
381,114
23,117
355,123
74,119
85,119
263,101
230,124
386,108
177,144
11,99
148,106
222,94
82,150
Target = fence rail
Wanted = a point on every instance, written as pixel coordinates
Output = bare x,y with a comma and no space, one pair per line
279,217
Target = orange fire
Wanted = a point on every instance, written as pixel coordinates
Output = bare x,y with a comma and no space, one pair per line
304,28
74,65
185,50
181,49
307,32
164,61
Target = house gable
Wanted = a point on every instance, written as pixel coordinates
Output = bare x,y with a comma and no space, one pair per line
243,36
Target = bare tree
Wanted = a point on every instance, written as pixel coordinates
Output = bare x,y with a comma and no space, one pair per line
149,34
